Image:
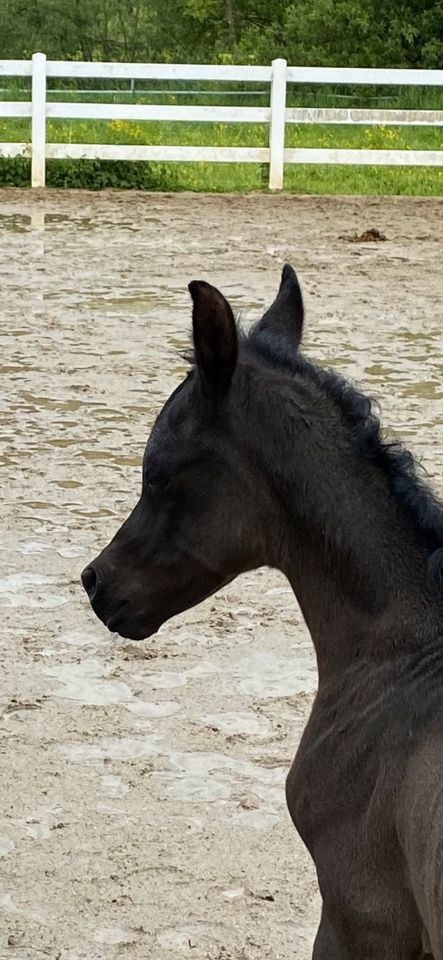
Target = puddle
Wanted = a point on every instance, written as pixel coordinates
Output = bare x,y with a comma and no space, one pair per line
8,905
32,547
428,389
113,935
6,846
113,786
38,831
39,825
208,777
39,504
14,222
71,551
87,683
243,724
67,484
198,790
77,638
165,681
205,764
30,590
233,893
137,303
264,675
56,403
261,820
113,748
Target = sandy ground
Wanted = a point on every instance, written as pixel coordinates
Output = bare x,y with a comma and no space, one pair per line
142,787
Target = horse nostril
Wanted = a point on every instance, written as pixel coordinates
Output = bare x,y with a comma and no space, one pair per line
89,581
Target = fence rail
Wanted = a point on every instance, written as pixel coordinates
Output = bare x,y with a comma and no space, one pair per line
275,116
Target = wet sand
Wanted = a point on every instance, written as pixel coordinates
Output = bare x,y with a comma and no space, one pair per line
142,805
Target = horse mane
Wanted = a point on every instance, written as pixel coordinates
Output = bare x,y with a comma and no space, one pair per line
407,486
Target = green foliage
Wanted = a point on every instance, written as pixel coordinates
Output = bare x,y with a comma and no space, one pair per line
15,172
328,32
366,32
92,174
104,174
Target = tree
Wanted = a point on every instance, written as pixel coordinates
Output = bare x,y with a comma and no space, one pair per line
316,32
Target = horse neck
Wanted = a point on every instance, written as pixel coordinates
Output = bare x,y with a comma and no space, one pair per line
356,562
366,594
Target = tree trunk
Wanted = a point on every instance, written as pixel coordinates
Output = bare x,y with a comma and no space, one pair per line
229,17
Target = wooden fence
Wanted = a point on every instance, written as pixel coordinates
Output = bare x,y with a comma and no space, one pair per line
276,115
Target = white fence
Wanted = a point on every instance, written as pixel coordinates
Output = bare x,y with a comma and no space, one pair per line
276,115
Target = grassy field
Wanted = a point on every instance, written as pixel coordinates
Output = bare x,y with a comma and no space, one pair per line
419,181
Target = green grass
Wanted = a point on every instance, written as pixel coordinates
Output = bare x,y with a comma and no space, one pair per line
227,94
312,179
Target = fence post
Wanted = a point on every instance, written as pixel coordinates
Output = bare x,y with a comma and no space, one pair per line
277,125
38,164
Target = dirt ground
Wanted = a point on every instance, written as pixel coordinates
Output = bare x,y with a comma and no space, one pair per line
142,808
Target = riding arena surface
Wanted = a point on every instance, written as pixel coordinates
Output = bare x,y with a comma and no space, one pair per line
142,805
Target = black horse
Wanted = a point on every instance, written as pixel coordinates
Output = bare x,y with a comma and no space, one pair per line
261,458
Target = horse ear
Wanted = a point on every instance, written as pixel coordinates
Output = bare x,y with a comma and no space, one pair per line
285,317
215,337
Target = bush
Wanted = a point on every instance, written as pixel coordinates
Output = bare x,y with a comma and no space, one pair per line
15,172
91,174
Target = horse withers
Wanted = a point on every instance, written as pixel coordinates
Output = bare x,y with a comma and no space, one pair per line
260,458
